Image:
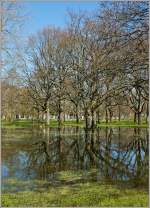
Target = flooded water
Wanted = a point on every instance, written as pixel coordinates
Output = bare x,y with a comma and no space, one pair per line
103,154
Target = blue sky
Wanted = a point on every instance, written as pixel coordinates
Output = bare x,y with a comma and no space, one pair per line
42,14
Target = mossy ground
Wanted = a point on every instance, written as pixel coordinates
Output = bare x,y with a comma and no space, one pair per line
54,123
79,193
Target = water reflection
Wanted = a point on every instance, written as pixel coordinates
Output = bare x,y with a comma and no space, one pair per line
100,154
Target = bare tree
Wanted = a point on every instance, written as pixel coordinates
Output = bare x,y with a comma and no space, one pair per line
11,20
96,61
41,74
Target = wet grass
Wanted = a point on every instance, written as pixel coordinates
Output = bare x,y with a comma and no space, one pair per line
73,123
87,194
43,193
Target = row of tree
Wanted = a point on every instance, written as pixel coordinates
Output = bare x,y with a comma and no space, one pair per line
97,63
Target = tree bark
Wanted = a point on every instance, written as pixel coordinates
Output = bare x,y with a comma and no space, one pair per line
59,115
59,118
77,118
106,115
64,118
147,112
38,115
98,117
90,119
77,114
93,122
135,117
119,112
47,117
139,117
87,119
110,115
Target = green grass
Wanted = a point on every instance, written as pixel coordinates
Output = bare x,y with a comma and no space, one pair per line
122,123
87,194
44,194
21,124
54,123
31,124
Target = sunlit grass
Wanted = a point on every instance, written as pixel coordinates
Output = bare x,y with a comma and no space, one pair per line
73,123
69,175
123,123
42,193
87,194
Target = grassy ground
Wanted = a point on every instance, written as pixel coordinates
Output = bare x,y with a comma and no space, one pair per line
54,123
31,124
84,195
72,194
123,123
20,124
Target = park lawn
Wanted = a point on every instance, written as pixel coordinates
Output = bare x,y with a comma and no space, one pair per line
54,123
19,124
34,124
123,123
87,194
71,191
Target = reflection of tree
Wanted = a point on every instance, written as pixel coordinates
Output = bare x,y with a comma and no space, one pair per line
94,149
39,160
117,163
104,158
136,155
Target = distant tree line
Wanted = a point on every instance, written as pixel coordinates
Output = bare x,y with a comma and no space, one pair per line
95,68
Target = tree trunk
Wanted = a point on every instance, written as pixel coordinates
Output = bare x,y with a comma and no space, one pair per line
59,115
77,118
59,118
90,119
98,117
147,112
87,120
77,114
64,117
119,112
110,115
59,148
139,117
43,116
135,117
48,136
93,122
47,117
106,115
38,116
